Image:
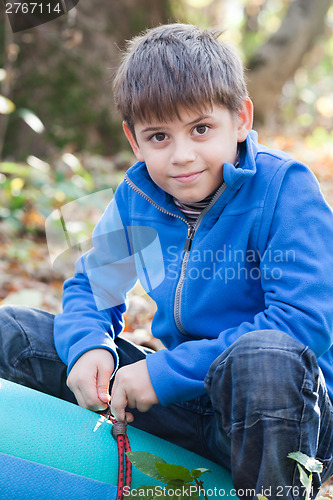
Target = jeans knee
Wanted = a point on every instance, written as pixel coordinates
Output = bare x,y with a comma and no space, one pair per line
7,318
263,372
11,313
23,327
7,310
275,357
261,354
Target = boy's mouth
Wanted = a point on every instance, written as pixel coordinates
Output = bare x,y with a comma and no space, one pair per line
190,177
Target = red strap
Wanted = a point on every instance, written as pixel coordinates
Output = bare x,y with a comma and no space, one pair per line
124,464
128,475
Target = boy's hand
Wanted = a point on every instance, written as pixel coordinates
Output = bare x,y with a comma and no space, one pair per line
89,379
132,387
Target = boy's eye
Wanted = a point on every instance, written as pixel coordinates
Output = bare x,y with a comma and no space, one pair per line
201,129
159,137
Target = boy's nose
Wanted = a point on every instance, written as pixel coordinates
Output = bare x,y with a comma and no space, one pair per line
182,154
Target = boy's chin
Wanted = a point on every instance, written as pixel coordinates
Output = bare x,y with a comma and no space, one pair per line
188,201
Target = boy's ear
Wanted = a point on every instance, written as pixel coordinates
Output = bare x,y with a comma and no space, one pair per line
245,119
132,141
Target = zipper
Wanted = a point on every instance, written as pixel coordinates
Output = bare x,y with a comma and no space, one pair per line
189,239
146,197
188,244
187,247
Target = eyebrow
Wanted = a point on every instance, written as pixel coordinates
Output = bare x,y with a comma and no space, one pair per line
158,127
199,119
151,129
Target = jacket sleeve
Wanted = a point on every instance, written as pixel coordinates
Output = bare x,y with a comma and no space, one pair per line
94,298
298,300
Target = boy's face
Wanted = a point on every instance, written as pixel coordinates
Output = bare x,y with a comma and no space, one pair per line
185,156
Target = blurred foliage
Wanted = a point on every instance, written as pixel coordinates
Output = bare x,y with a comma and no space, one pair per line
59,140
31,191
62,71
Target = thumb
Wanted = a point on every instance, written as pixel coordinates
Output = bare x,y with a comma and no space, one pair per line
103,383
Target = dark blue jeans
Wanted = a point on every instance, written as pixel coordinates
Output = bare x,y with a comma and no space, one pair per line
265,397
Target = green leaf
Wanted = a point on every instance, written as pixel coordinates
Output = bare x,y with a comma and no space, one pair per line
199,471
304,478
15,168
261,497
146,463
186,491
310,464
174,483
191,492
148,492
172,471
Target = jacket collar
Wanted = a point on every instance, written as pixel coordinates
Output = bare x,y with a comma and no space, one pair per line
235,177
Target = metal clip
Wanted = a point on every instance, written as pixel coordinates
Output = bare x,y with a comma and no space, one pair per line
108,413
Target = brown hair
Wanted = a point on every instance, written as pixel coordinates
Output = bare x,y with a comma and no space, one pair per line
177,66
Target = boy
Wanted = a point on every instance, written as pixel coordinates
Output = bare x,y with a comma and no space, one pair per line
233,242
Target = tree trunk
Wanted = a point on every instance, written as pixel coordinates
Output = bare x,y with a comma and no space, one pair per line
278,59
64,74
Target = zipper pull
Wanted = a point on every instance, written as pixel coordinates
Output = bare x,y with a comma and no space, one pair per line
189,239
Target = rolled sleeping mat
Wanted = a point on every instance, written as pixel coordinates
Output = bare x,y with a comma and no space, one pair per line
52,449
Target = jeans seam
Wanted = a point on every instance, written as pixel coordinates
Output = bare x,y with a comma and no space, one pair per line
261,416
304,386
23,332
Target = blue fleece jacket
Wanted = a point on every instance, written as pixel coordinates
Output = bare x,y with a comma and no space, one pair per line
259,257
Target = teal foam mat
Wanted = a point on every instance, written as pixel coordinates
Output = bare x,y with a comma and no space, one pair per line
45,430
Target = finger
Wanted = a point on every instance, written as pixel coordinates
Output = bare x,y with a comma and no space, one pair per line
88,398
129,417
93,403
143,407
118,403
131,402
102,384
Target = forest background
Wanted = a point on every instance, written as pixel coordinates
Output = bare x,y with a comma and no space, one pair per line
61,144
